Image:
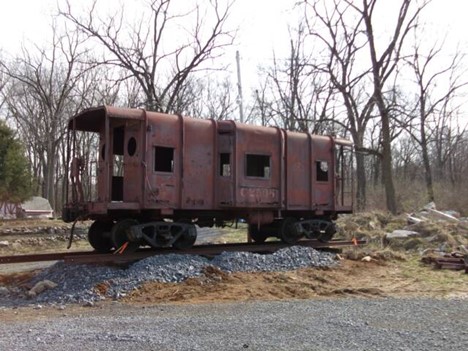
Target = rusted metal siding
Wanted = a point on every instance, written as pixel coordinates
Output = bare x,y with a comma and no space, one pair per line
298,171
199,159
161,187
102,167
256,191
134,141
322,190
225,167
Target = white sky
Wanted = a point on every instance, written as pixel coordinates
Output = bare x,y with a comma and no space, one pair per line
262,24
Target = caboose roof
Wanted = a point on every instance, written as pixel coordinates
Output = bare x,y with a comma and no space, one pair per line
92,119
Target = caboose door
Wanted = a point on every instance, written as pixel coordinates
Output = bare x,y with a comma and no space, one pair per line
225,170
323,179
133,166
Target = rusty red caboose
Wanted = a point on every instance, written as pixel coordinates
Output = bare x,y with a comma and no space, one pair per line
158,175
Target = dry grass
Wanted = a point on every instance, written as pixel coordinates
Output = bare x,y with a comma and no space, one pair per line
373,227
411,197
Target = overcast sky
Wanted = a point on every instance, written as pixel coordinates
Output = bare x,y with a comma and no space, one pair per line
262,24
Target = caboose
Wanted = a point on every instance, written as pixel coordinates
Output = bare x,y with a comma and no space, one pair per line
156,177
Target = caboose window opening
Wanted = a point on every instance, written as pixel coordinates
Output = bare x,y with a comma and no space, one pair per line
117,152
131,146
257,166
118,141
225,164
322,171
163,159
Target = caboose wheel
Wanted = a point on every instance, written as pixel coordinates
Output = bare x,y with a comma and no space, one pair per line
119,235
99,236
256,234
327,235
288,232
186,239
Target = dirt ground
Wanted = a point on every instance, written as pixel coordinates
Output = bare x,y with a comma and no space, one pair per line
350,278
375,279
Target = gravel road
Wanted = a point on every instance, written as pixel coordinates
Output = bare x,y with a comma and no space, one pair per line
339,324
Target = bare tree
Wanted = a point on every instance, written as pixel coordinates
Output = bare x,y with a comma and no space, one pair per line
431,98
219,103
3,83
383,65
297,95
160,51
42,85
262,107
328,25
449,136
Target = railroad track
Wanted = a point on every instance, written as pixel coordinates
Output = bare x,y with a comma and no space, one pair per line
206,250
455,263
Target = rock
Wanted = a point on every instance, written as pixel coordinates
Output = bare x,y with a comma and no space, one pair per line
4,291
41,287
414,220
452,213
430,206
443,216
402,234
16,245
4,243
88,303
366,259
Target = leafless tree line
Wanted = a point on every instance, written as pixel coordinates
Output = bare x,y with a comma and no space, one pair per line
393,94
344,75
142,64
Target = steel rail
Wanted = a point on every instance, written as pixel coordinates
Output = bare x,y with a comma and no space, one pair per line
207,250
56,256
455,263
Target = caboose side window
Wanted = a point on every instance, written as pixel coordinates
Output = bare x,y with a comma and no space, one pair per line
257,166
225,165
322,171
163,159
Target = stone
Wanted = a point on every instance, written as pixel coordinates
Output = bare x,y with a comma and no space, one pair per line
442,216
40,287
430,206
4,291
4,243
366,259
402,234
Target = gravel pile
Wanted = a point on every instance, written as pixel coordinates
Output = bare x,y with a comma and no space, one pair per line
282,260
87,283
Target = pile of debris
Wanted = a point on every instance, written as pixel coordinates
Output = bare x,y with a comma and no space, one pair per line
432,230
426,231
455,261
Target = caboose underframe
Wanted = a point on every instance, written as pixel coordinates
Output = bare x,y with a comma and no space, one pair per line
155,176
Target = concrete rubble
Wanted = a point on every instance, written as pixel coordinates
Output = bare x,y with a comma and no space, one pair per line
429,228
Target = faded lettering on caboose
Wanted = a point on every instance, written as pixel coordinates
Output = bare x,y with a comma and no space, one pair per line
268,196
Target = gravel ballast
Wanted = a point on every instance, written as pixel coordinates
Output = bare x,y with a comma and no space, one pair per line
79,283
339,324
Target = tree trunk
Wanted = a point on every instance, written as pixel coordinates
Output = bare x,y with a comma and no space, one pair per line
387,173
361,182
427,163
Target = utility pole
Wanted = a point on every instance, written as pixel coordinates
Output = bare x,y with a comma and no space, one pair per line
239,89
